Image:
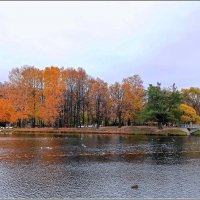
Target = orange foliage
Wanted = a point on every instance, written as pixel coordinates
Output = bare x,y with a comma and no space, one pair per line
67,97
6,111
52,94
127,98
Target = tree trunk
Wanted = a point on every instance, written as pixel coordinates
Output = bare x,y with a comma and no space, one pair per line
83,115
33,122
98,113
120,120
160,125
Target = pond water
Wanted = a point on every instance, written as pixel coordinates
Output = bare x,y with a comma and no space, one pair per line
98,166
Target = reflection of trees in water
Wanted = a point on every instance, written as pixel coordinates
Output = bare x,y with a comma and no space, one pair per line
101,148
106,148
25,148
168,150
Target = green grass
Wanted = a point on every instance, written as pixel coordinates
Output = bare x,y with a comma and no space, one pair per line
172,132
143,132
197,133
150,131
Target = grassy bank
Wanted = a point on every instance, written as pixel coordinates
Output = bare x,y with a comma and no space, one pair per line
197,133
155,131
173,132
136,130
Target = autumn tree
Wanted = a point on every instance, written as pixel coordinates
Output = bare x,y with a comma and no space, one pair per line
52,95
6,111
17,95
69,98
191,97
127,99
80,92
32,85
75,89
189,114
117,99
6,107
68,109
98,97
133,98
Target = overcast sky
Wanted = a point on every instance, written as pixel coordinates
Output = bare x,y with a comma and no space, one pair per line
160,41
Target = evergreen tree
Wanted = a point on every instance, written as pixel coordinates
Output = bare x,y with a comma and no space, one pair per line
162,105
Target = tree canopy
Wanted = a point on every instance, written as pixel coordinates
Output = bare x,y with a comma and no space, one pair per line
162,105
68,97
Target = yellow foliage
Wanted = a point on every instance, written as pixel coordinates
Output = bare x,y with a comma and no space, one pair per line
198,119
189,114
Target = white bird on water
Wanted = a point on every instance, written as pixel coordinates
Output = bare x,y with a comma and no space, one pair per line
83,145
45,147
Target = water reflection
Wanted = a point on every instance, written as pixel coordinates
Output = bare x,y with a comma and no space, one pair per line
168,150
99,148
99,166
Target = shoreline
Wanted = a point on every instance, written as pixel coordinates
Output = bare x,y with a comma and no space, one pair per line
135,130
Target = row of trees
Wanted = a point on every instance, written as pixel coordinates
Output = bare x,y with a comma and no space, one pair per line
68,98
71,98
